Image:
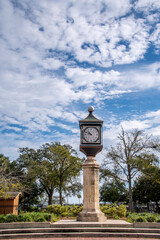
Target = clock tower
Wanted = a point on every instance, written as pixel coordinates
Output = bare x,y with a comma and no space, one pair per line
90,145
91,134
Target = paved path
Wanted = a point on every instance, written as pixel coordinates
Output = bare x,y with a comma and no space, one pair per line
108,221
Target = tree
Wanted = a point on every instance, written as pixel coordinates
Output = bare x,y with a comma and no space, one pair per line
151,170
146,190
56,167
124,161
8,182
31,189
38,174
113,192
66,167
147,186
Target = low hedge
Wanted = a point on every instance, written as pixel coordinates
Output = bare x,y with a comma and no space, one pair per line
64,211
143,217
27,217
56,211
113,210
72,211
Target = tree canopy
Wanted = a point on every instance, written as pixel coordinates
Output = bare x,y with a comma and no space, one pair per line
132,154
56,166
113,192
146,190
8,182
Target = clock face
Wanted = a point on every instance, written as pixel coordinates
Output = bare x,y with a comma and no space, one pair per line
91,134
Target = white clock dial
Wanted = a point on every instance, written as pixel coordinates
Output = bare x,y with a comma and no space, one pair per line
91,134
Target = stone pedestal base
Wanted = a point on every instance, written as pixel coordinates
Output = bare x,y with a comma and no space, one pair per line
91,211
88,216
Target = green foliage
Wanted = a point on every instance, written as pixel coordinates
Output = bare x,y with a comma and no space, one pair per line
64,211
40,219
24,218
38,216
113,210
2,218
57,209
151,218
113,192
75,210
23,168
146,190
27,217
128,158
56,167
143,217
8,182
33,209
11,218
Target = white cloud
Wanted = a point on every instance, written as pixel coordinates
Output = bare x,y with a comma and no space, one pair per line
153,114
144,77
135,124
87,77
36,97
147,5
42,43
148,122
69,27
66,127
51,63
155,37
155,131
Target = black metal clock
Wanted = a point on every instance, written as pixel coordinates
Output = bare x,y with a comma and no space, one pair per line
91,134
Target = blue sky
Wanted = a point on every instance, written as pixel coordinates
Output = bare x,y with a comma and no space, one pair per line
59,57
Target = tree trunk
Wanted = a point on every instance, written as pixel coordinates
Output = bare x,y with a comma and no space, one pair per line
50,197
130,191
130,199
60,196
157,207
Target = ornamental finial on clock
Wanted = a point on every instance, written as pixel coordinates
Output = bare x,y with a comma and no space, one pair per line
90,109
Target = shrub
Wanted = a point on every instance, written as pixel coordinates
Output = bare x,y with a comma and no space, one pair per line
144,217
2,218
24,218
151,218
36,215
54,218
27,217
114,211
158,220
40,219
75,210
141,219
11,218
46,217
132,217
20,218
34,209
64,211
57,209
121,211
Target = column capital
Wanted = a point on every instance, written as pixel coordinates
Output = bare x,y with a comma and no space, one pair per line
91,161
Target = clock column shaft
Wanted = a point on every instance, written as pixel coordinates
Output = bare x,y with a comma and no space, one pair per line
91,211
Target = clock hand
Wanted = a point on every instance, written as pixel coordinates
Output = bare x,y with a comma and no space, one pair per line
89,133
